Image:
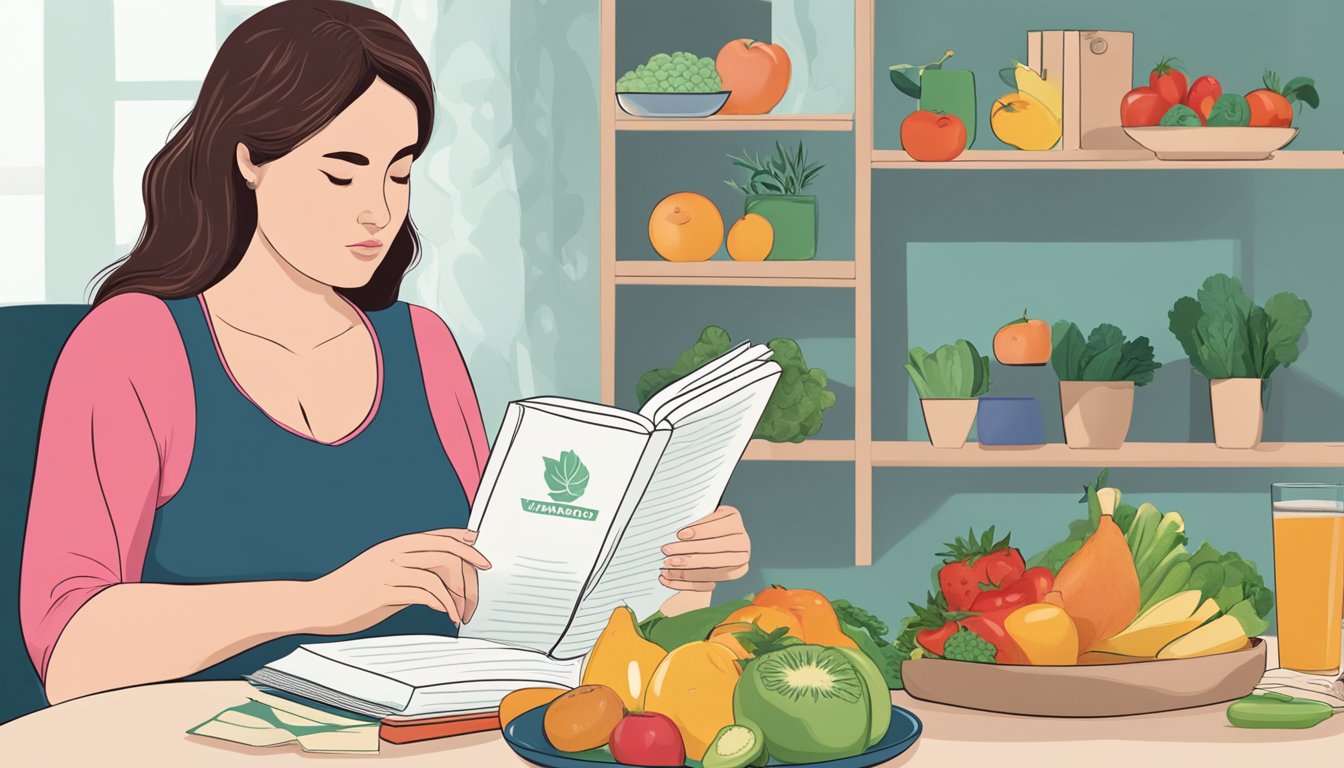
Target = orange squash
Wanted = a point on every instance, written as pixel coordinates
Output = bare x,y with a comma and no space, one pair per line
693,686
819,623
1098,586
1023,342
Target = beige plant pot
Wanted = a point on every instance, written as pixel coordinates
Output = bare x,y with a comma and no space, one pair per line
1096,413
949,420
1238,414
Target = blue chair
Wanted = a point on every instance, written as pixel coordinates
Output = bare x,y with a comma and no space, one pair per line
31,337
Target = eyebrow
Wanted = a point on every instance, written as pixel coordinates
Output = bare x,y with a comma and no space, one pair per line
358,159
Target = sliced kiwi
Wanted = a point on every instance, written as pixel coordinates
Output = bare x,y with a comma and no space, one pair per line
736,746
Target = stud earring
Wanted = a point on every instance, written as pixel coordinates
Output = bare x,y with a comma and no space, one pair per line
251,185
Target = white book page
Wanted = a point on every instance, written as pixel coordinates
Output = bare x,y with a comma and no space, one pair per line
709,435
718,368
543,548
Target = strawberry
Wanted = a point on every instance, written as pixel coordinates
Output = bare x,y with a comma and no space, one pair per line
974,562
931,626
932,640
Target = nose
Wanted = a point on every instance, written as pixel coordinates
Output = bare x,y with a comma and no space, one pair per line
376,214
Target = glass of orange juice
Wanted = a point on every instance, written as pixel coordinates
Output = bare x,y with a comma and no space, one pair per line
1309,574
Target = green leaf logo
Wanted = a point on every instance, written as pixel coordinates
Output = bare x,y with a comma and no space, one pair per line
567,477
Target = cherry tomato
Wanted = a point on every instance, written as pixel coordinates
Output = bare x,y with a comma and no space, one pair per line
1143,106
1020,592
1203,93
1269,108
931,137
933,640
1169,82
990,627
1042,580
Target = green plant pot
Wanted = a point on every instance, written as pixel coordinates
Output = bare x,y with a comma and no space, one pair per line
794,220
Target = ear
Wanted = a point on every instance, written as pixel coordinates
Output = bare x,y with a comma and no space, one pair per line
251,173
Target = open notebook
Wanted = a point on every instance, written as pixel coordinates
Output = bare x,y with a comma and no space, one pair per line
573,509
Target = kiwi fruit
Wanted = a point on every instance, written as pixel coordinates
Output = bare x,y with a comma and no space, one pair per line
809,702
736,746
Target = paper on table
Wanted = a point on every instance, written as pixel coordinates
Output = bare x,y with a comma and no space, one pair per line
1322,688
270,721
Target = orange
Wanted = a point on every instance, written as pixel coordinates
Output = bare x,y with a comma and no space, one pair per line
525,700
769,618
685,226
751,238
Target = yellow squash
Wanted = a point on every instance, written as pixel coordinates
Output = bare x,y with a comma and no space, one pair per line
1021,120
1176,616
622,659
1045,633
693,687
1221,635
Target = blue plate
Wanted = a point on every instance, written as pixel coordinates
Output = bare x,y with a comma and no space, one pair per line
525,735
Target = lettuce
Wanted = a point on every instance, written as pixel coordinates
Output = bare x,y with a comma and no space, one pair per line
956,370
1105,356
1228,336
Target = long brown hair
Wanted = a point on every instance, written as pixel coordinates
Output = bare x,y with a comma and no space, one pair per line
282,75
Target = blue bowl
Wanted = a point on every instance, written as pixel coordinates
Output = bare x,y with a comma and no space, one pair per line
641,104
1010,421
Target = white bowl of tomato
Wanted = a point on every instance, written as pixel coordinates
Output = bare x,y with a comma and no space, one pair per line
1201,122
1212,142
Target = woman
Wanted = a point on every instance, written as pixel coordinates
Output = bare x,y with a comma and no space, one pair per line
249,442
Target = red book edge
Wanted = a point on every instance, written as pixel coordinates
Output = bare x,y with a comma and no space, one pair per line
408,731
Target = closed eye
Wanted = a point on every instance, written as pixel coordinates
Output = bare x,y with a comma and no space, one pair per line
402,179
336,181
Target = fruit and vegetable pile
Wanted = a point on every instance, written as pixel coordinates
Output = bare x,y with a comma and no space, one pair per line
1121,587
755,73
1170,99
785,674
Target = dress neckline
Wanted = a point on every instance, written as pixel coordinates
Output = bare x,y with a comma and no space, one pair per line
377,392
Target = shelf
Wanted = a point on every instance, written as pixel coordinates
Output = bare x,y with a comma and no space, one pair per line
1154,455
823,274
778,122
808,450
1105,160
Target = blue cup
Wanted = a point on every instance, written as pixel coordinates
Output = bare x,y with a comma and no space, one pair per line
1010,421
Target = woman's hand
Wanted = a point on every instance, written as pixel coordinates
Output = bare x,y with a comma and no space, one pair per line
434,568
713,549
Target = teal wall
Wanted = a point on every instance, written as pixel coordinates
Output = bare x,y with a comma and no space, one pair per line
960,253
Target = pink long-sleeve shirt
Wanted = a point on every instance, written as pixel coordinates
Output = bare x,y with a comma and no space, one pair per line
116,441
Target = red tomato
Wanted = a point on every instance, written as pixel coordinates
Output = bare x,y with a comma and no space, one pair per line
1020,592
931,137
990,627
1269,108
1170,83
933,640
1143,106
1042,580
1203,93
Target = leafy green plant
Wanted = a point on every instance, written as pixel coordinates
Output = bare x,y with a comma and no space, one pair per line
787,173
1105,356
794,412
1227,336
956,370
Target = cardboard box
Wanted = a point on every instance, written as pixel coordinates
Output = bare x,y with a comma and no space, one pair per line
1094,70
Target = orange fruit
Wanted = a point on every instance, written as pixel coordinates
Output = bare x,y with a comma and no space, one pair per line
583,718
525,700
685,226
723,635
751,238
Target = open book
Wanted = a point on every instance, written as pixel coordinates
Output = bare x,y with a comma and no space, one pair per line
575,504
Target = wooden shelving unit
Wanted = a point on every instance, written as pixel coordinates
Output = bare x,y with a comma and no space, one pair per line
1099,160
1148,455
856,275
626,122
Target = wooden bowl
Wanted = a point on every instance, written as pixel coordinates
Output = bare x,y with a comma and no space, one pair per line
1094,690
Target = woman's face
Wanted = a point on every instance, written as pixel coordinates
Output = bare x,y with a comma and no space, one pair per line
332,206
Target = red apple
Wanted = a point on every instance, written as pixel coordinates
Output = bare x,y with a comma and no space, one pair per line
647,738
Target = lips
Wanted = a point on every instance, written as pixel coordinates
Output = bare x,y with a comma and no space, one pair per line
366,244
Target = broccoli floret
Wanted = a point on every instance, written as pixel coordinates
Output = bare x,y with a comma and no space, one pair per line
965,645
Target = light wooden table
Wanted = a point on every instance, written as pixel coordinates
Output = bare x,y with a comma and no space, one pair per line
146,726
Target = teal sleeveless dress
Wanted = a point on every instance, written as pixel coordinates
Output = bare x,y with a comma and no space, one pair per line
260,502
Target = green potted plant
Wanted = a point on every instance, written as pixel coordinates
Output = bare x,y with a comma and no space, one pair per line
1237,344
794,412
775,191
1097,377
949,380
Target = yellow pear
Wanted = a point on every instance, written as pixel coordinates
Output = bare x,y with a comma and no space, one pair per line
622,659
